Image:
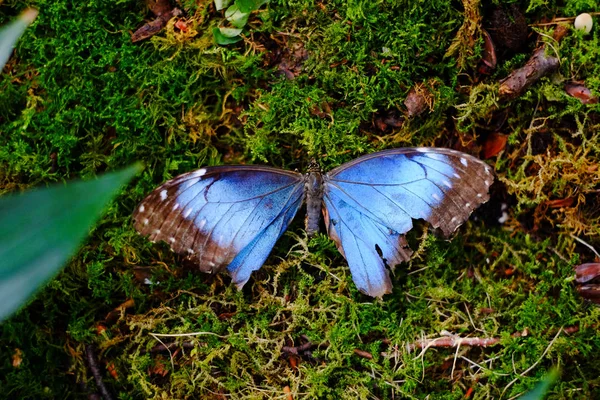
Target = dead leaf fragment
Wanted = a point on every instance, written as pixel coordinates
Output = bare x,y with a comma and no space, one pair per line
587,272
561,203
418,100
495,143
488,57
590,292
579,91
16,358
114,315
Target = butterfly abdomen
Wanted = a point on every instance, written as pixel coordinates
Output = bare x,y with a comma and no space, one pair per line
313,187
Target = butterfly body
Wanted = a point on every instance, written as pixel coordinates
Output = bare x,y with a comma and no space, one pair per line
313,187
231,216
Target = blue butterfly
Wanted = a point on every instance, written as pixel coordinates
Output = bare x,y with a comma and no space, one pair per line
231,216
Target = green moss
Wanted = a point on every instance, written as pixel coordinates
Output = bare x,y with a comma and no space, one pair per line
79,98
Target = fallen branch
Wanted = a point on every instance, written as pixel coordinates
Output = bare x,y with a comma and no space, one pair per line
452,341
93,365
539,65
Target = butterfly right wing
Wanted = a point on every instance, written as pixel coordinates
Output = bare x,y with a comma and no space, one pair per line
223,216
370,203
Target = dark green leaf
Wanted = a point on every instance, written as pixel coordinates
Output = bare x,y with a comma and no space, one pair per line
221,4
10,33
225,36
40,230
247,6
236,17
539,392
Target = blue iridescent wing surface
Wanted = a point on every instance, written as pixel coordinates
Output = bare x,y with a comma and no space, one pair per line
227,216
370,203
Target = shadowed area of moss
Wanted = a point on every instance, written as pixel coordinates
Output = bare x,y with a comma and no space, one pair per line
79,98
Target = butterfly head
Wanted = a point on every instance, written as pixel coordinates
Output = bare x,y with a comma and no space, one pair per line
314,166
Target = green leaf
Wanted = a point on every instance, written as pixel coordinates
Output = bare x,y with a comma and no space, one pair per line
539,392
10,33
225,36
221,4
247,6
41,229
236,17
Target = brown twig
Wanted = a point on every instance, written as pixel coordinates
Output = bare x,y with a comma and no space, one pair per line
295,350
170,346
93,365
452,341
559,20
539,65
363,354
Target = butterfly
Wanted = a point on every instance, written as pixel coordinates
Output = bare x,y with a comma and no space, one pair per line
232,216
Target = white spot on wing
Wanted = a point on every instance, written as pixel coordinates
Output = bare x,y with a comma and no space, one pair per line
163,195
201,224
157,231
447,184
187,212
198,173
175,206
464,162
467,205
487,183
436,196
142,208
421,149
457,176
487,171
453,219
479,195
145,221
172,239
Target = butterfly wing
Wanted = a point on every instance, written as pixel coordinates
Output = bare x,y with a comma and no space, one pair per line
223,216
370,203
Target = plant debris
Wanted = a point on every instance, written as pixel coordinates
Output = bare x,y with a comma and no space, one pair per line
518,81
95,370
581,92
494,144
418,100
488,59
163,11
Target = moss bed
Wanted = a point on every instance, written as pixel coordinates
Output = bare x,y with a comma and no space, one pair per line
324,79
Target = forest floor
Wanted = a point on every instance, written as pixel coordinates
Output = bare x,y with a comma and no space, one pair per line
324,79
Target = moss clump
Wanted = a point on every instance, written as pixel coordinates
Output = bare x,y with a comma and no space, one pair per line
309,79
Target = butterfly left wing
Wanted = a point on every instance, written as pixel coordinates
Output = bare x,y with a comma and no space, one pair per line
370,203
226,216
